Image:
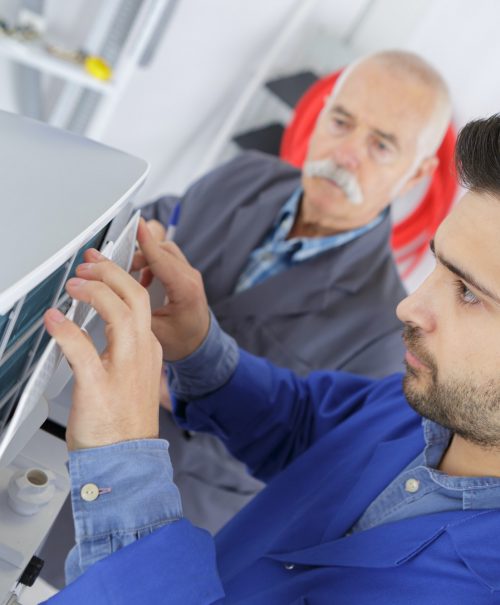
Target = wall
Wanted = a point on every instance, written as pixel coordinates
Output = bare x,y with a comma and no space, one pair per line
171,112
209,54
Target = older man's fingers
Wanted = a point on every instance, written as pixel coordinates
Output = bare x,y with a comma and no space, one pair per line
76,346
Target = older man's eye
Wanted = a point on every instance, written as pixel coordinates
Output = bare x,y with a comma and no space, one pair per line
464,295
338,124
382,151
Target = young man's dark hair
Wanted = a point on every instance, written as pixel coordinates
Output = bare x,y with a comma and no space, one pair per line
477,155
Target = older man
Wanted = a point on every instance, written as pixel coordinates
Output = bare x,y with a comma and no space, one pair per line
298,268
364,503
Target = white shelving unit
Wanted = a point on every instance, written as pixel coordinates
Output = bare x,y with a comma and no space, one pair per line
121,33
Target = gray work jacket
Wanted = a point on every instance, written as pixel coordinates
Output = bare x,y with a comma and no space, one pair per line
334,311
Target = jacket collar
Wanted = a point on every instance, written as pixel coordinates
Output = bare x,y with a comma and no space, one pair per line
394,544
250,224
387,461
473,536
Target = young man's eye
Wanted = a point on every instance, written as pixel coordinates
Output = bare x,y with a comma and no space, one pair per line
465,296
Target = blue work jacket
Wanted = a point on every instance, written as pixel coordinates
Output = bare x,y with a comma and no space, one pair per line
327,445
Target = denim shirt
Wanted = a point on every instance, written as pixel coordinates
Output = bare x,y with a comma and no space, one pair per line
119,493
422,489
136,493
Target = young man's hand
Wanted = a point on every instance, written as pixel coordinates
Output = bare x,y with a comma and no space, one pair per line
182,323
139,262
115,395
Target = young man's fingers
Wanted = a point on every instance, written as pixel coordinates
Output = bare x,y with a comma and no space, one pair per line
108,304
173,249
161,261
138,262
157,230
121,283
76,346
119,300
146,278
94,256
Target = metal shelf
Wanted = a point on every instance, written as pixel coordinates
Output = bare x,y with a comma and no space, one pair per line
37,57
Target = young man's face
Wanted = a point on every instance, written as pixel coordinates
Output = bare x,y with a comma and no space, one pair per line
371,130
452,327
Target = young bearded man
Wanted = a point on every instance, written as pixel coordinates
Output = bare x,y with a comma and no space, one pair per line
365,502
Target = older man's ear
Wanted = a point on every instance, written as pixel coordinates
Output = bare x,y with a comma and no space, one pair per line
424,170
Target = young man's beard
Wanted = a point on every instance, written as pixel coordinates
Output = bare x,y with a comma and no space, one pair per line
464,407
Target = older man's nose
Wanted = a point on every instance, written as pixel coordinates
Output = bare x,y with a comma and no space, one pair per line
348,153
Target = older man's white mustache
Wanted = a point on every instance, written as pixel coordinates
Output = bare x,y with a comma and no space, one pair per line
327,169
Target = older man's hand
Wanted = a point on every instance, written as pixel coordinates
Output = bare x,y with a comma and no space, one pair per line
115,396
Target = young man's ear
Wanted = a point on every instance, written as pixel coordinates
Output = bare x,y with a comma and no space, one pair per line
425,169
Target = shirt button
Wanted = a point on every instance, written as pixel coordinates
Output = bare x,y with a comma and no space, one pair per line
89,492
412,485
289,566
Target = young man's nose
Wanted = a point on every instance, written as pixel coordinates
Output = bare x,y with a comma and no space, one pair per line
417,309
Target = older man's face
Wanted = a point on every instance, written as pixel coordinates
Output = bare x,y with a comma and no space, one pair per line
452,326
369,134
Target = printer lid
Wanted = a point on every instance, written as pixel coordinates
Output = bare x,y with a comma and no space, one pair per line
57,190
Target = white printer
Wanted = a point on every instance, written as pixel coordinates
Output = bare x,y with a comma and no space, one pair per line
59,194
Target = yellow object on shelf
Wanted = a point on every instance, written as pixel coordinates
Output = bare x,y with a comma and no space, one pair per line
97,67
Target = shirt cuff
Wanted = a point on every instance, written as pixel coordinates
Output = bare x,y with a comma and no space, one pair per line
122,487
208,368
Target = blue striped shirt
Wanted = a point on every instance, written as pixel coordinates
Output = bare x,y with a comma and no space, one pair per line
276,253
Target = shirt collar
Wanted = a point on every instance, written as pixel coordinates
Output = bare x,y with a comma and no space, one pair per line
286,217
309,246
437,439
